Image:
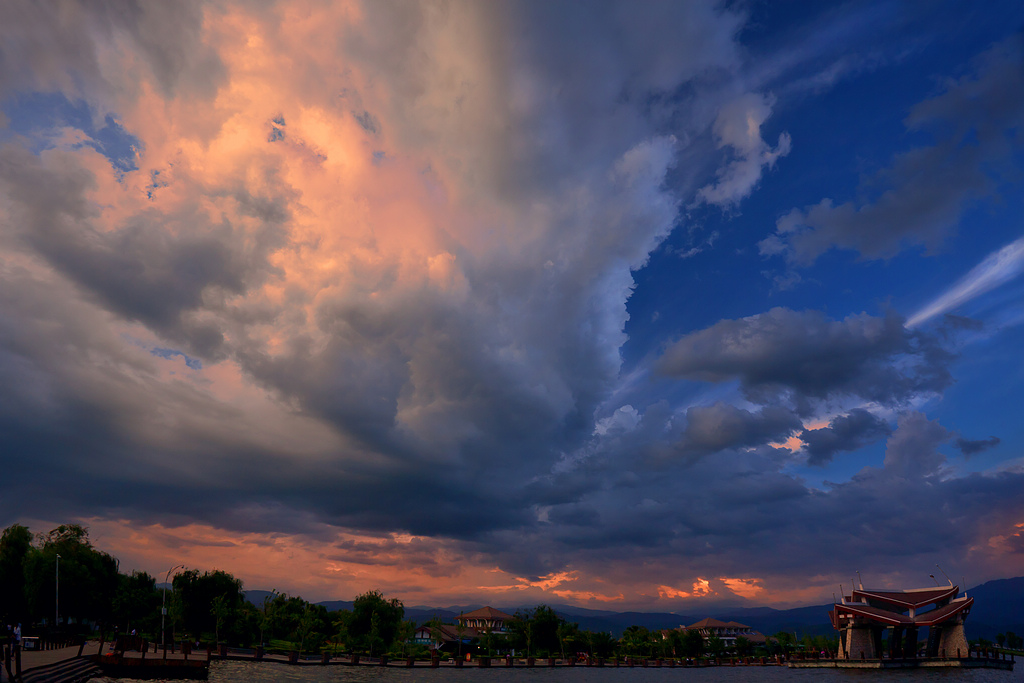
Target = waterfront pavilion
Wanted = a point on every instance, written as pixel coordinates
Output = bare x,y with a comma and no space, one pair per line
865,615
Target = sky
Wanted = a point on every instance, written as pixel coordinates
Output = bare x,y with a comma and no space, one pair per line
656,306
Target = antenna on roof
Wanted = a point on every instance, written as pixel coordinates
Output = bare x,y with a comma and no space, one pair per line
947,577
833,599
860,581
965,585
842,593
934,579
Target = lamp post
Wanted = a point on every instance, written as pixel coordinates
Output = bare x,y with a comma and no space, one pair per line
56,594
267,599
163,605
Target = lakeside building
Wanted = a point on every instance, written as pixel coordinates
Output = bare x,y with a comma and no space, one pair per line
726,631
469,625
444,636
485,619
864,616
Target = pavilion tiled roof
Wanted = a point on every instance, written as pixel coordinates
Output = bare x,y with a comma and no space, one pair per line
709,622
449,632
917,597
929,618
486,613
874,613
937,616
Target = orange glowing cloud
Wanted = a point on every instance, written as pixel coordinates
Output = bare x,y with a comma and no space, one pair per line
745,588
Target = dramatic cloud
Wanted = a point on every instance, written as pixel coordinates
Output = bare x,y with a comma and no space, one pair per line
844,433
812,358
423,255
971,447
714,428
347,287
976,124
912,449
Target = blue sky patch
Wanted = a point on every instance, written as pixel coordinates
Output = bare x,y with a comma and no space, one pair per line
191,362
38,116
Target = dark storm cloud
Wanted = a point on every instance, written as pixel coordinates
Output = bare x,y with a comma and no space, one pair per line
714,428
912,450
142,271
971,447
466,416
848,432
977,125
739,512
803,352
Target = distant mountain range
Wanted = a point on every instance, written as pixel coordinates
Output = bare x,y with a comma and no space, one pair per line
998,607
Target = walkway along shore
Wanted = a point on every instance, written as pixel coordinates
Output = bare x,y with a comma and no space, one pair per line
79,663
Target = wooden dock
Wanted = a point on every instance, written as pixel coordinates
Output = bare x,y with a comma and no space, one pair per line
976,659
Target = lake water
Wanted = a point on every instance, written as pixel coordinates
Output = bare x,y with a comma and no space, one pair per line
251,672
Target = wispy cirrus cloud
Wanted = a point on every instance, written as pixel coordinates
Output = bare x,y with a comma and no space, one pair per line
996,269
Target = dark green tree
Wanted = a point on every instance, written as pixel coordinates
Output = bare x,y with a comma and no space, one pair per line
744,648
601,644
568,635
314,627
692,643
88,577
786,641
545,630
520,631
389,614
715,645
15,547
636,640
136,602
196,593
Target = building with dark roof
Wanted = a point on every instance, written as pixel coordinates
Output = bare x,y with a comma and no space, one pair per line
864,616
485,619
726,631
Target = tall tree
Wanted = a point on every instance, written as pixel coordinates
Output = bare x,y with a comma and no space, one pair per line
196,594
692,643
15,546
88,577
136,601
389,614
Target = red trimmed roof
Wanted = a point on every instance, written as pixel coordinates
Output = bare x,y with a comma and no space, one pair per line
915,597
929,618
486,613
874,613
735,624
709,622
937,616
447,632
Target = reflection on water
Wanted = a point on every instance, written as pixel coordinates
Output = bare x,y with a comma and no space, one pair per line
251,672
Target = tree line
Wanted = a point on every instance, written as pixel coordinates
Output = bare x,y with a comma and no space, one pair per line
210,606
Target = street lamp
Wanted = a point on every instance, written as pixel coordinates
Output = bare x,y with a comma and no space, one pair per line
163,605
56,594
267,599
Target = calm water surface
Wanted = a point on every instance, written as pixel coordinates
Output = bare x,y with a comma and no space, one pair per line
246,672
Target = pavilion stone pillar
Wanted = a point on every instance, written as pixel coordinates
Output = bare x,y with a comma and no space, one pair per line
860,639
953,638
910,649
876,640
896,642
934,635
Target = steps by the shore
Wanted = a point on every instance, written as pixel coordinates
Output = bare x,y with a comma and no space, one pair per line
77,670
